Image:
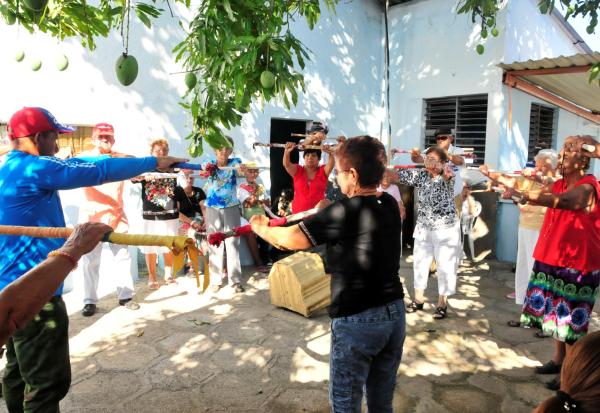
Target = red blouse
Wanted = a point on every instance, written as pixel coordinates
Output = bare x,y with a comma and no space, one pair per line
571,239
307,194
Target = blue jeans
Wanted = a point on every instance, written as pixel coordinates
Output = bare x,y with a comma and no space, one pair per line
366,349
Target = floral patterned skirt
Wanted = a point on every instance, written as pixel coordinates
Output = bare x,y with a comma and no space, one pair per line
560,301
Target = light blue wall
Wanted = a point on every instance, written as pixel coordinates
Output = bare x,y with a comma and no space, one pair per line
506,231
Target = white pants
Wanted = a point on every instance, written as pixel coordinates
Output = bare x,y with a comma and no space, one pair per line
120,270
443,245
527,240
222,220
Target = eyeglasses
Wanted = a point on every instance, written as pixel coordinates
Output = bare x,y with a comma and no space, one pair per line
442,137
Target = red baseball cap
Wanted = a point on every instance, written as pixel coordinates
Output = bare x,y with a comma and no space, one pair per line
103,129
29,121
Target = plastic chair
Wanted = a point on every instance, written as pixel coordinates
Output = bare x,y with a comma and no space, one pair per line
467,223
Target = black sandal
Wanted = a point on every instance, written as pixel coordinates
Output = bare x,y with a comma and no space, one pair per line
414,307
513,323
440,313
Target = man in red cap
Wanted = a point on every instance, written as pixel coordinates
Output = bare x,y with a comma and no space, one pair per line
105,204
38,371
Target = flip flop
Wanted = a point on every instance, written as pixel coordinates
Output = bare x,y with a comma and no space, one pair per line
153,285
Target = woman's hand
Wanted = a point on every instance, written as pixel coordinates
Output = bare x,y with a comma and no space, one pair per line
327,149
447,171
259,223
289,147
528,172
588,140
484,169
415,155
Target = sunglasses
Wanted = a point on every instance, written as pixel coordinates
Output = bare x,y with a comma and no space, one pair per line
442,137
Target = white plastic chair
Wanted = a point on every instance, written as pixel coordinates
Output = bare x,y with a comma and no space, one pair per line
467,224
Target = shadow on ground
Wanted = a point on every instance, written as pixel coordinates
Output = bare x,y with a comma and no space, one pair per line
190,352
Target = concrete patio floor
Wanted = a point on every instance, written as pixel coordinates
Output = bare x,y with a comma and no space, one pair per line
190,352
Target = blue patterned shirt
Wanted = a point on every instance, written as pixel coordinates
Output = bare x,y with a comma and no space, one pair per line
221,186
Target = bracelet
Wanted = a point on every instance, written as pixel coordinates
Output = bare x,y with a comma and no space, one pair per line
60,253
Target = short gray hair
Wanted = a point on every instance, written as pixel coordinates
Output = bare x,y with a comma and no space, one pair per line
549,154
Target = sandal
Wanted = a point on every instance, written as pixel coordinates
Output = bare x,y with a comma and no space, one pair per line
513,323
440,313
263,269
153,285
170,280
414,307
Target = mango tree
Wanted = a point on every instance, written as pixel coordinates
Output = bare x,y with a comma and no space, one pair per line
240,51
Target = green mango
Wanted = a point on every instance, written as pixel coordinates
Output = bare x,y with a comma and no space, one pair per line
62,62
190,80
19,56
36,64
35,5
495,32
127,69
9,17
267,79
480,49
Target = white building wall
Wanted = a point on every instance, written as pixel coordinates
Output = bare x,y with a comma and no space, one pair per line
532,35
343,81
433,55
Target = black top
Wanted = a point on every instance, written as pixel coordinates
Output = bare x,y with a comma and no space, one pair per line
158,202
190,205
362,235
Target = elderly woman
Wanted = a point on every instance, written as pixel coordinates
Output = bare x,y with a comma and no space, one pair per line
564,281
160,216
362,236
437,233
530,222
310,180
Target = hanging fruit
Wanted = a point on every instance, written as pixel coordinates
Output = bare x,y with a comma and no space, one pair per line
19,56
35,5
62,62
480,49
36,64
267,79
190,80
127,69
9,17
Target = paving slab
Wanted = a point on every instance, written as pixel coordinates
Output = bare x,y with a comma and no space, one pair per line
188,351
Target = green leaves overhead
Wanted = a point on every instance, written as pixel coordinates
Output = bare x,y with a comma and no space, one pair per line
228,44
231,44
485,11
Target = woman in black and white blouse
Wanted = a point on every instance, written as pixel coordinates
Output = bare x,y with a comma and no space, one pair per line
437,233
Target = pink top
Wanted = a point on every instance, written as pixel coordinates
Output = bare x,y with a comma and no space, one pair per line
571,239
307,194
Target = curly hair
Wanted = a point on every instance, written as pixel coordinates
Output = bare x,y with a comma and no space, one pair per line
366,155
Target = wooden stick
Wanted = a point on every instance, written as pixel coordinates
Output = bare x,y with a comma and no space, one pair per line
282,145
216,238
411,166
179,245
